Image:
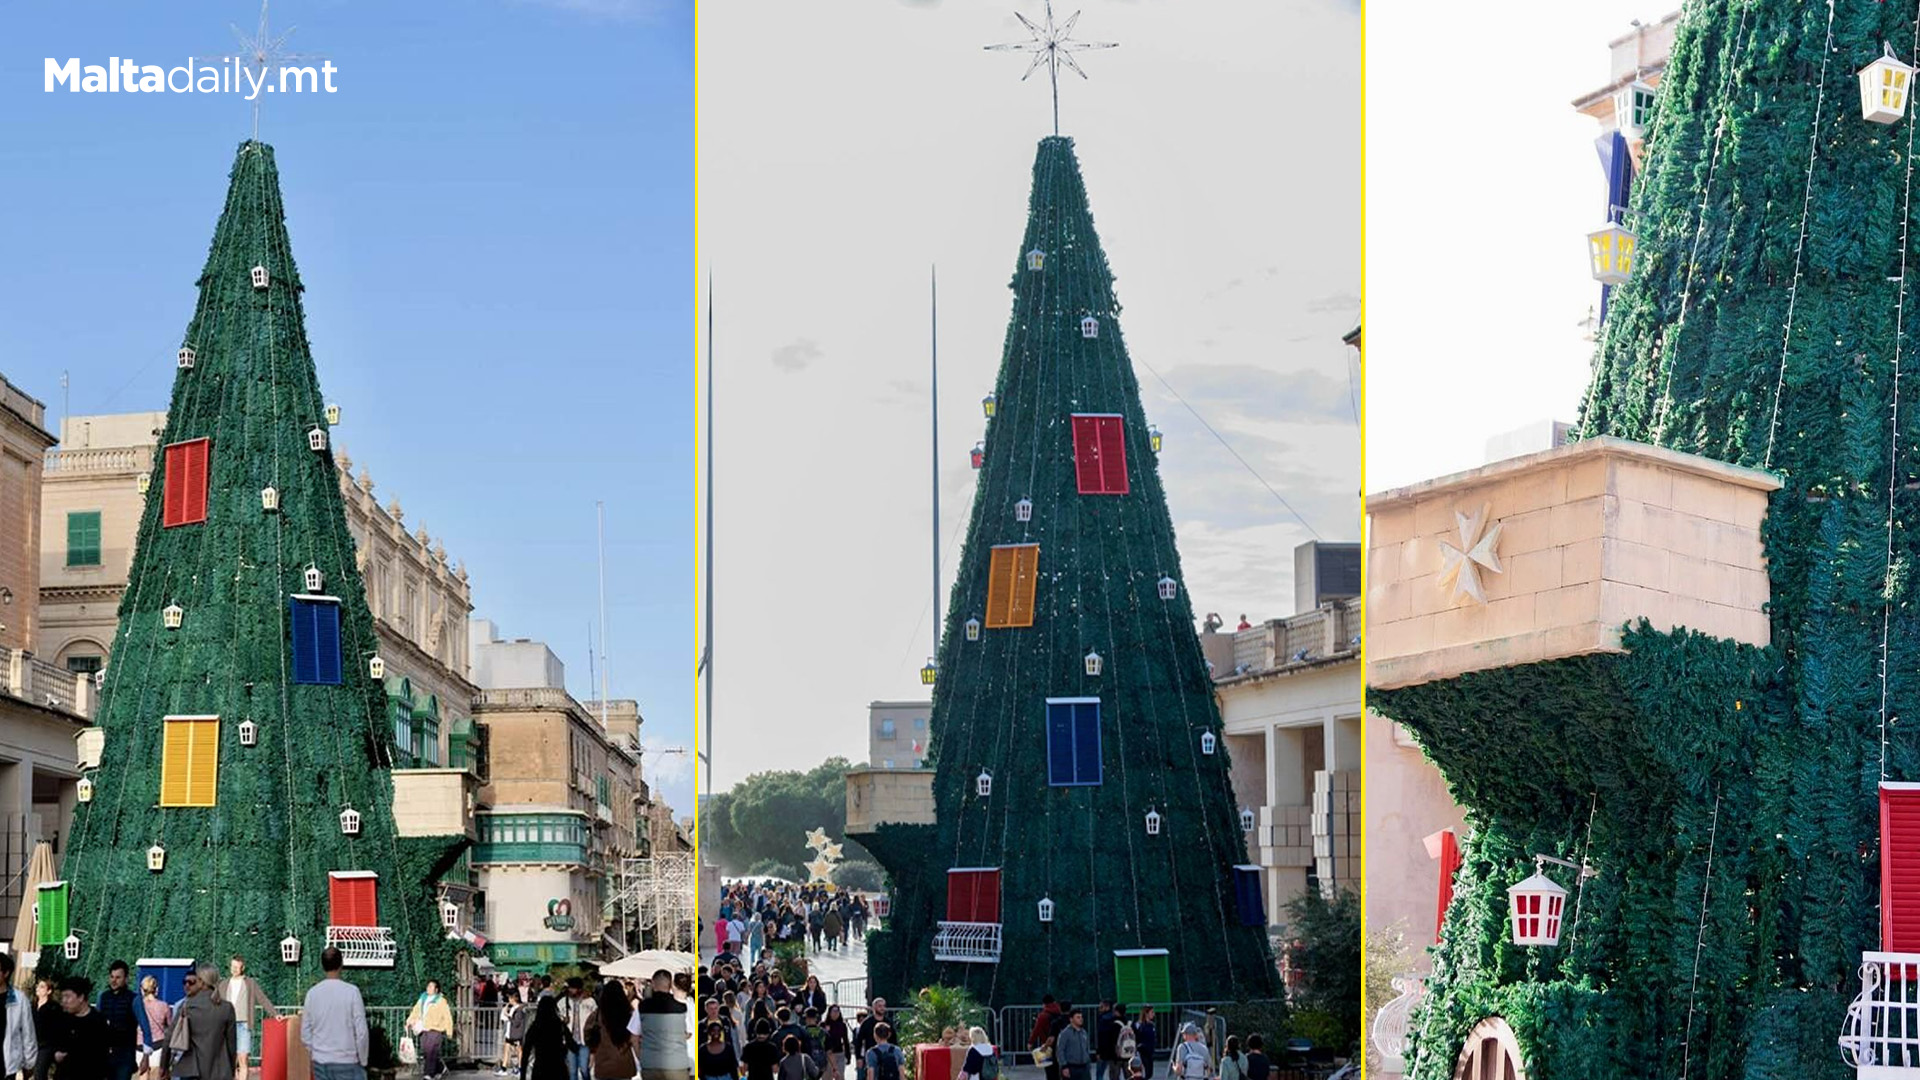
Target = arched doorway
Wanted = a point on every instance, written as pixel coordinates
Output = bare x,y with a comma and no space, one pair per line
1491,1053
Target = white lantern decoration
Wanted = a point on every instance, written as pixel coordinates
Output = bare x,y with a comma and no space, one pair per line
270,499
350,822
1883,88
449,914
1536,905
1169,588
261,279
71,947
156,858
1153,823
290,949
1633,109
249,733
317,439
145,483
1610,250
376,668
100,678
1046,909
186,356
1093,662
313,578
1246,819
1036,260
983,784
333,416
1208,741
1089,327
1023,510
172,615
84,790
973,629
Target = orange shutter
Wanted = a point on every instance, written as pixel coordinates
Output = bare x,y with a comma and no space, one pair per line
1011,579
190,761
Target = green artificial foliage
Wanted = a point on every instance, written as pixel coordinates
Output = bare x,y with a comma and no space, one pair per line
1101,557
252,869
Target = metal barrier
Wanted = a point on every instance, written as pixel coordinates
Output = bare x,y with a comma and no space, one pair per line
478,1032
847,992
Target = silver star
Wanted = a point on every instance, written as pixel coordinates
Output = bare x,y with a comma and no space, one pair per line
1052,46
1460,566
262,52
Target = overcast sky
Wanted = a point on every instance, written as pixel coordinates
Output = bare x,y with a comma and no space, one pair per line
845,148
1478,205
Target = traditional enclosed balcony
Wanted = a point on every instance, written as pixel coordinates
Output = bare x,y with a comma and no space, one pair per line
363,946
967,942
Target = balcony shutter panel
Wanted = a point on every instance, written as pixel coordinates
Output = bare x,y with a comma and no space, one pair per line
1113,455
1900,868
1247,898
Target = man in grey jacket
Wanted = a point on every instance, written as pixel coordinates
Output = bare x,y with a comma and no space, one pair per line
212,1042
19,1046
1073,1049
333,1024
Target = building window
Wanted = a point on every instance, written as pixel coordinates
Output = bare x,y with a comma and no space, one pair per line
85,665
1073,742
316,640
83,538
184,493
919,722
973,895
1100,454
353,898
189,760
887,730
1011,578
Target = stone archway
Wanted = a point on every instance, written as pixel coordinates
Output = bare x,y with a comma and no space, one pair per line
1490,1053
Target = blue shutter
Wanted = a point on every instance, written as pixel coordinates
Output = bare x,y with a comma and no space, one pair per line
1246,894
316,641
1073,743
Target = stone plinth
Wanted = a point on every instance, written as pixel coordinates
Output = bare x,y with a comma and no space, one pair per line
1590,536
878,797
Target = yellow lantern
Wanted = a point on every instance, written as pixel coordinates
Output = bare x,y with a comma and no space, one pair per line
987,406
1611,250
927,673
1883,88
1153,438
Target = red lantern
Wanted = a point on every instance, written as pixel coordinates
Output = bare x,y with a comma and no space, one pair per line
979,454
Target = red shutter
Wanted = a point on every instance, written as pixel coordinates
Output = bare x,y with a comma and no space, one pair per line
1900,868
184,486
973,896
354,901
1450,860
1100,454
986,896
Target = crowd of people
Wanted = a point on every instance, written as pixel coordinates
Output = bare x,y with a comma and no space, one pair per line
755,915
754,1025
563,1031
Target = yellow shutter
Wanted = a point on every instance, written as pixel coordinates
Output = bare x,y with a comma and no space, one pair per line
1011,578
190,761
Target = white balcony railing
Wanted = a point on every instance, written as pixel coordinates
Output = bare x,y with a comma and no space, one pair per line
363,946
1880,1036
967,942
1390,1023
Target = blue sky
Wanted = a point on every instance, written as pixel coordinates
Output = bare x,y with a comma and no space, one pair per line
494,219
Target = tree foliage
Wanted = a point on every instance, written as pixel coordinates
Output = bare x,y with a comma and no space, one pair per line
1326,954
766,817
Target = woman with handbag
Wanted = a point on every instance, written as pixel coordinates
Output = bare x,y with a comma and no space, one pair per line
548,1046
431,1022
610,1042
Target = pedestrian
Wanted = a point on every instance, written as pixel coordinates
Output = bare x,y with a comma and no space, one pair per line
756,936
240,990
84,1052
812,996
662,1026
1126,1047
431,1022
1146,1035
1233,1063
981,1062
548,1049
150,1061
333,1023
48,1022
1258,1067
761,1058
19,1041
795,1062
574,1008
717,1059
1190,1059
514,1016
833,927
835,1037
1073,1048
863,1036
212,1037
884,1060
120,1007
610,1046
1107,1041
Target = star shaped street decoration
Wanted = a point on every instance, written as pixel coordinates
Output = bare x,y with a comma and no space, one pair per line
262,52
820,868
1460,566
817,839
1052,45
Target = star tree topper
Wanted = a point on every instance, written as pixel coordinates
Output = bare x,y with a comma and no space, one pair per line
1460,566
1052,45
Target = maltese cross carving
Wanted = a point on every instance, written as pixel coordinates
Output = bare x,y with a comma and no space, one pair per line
1460,566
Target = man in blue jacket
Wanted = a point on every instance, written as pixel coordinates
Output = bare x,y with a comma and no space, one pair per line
126,1021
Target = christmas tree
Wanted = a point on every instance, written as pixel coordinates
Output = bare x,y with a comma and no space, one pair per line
243,795
1084,819
1726,795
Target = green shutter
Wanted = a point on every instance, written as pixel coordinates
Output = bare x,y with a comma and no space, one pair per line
1140,977
83,543
52,902
600,788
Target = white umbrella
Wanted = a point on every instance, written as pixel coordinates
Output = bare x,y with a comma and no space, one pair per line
642,965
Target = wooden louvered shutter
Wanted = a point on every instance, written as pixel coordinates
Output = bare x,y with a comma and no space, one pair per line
960,896
1012,576
314,633
198,453
1900,868
986,896
1113,455
190,761
1247,897
1086,454
184,486
1100,453
354,901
